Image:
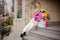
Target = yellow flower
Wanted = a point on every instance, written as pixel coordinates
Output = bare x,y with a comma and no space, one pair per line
45,14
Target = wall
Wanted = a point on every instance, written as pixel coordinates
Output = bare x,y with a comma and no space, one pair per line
27,17
53,7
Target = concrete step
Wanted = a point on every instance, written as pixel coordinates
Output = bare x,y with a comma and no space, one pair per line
50,29
34,36
54,23
44,34
52,35
31,38
47,30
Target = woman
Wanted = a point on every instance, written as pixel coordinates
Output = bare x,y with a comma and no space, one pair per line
43,22
38,7
32,23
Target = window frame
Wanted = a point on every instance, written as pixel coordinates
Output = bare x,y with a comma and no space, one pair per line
16,10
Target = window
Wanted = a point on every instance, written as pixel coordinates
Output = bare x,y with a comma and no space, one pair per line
19,8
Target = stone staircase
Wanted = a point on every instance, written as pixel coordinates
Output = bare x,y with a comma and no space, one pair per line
44,34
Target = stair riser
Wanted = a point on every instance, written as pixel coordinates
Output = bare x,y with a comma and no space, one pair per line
40,37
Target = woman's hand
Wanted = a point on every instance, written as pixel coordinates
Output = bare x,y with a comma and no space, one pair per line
33,14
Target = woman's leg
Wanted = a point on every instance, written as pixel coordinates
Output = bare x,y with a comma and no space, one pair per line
28,27
46,23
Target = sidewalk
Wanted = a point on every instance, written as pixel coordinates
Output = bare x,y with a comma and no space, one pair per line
15,35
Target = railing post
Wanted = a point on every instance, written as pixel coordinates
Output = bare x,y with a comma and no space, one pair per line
15,9
23,8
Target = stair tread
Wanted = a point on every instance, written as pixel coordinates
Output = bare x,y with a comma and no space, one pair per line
50,31
52,28
46,34
37,38
32,38
40,37
57,28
